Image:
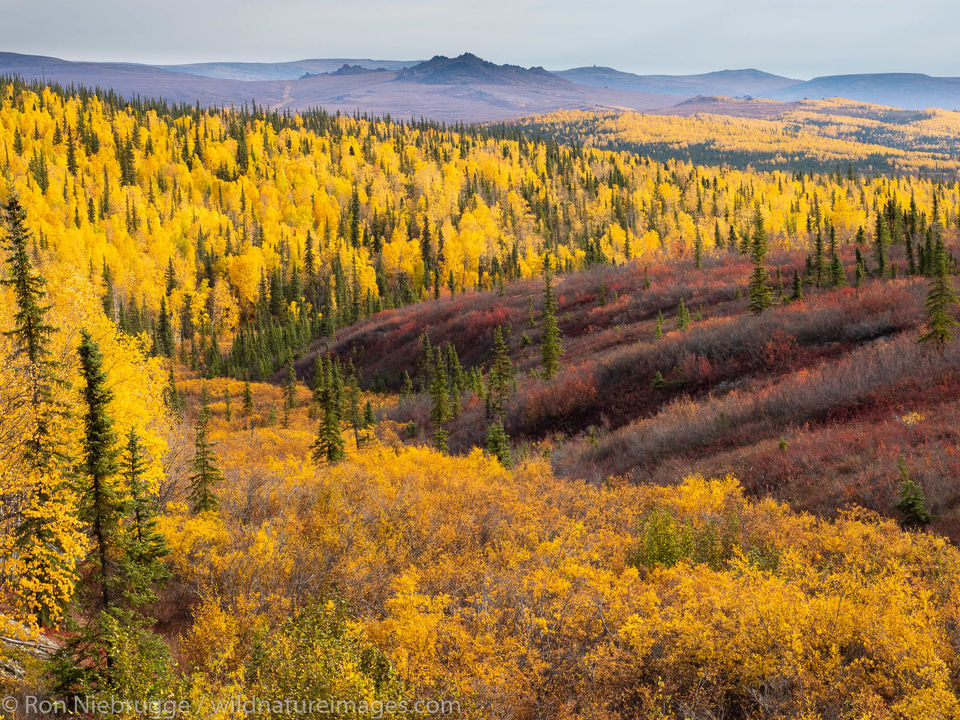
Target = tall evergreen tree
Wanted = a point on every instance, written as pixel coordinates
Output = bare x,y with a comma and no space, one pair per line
797,290
941,295
353,410
881,246
101,497
550,347
46,527
760,298
329,445
913,501
500,375
498,443
206,474
248,406
683,316
440,411
146,547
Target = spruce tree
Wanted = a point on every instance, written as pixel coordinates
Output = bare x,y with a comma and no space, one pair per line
171,395
163,341
550,347
819,259
498,443
658,332
227,402
797,290
913,501
31,336
881,245
289,392
329,445
760,298
353,410
941,295
440,411
838,276
45,523
206,474
683,316
406,388
146,547
101,497
248,406
500,376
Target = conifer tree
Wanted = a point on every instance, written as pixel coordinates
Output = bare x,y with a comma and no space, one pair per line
227,402
500,376
46,530
206,474
145,545
760,298
163,341
913,501
881,245
329,445
353,410
289,392
819,259
406,389
101,497
659,329
440,412
369,418
797,290
171,394
550,347
498,443
683,316
125,563
941,296
248,406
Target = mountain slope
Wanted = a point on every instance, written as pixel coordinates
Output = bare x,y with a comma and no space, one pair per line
450,89
281,70
725,82
904,90
132,80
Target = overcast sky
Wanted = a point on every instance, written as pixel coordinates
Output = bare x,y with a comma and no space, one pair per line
799,38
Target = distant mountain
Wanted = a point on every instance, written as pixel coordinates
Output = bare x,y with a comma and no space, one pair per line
469,88
463,88
903,90
724,82
131,79
282,70
470,69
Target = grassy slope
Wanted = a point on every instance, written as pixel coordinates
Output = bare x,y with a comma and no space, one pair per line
811,402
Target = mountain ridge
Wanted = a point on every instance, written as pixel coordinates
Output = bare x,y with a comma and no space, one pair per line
470,88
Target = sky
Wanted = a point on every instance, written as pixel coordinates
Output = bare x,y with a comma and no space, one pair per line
798,39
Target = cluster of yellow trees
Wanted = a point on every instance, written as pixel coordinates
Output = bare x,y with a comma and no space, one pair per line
810,135
520,594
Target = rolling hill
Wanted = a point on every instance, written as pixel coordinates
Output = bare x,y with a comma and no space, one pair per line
464,88
725,82
468,88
